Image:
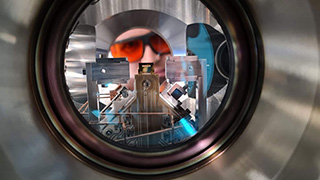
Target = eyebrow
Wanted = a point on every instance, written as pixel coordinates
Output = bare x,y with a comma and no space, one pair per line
134,38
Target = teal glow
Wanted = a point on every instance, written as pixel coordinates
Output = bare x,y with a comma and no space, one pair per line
96,113
108,84
187,127
202,47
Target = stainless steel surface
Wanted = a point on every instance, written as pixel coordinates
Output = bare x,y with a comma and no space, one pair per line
191,69
277,131
104,17
27,150
104,71
172,29
105,8
280,142
81,48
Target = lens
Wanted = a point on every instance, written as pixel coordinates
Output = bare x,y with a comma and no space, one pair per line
133,50
159,44
128,115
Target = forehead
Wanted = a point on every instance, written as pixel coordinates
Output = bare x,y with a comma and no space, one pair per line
132,33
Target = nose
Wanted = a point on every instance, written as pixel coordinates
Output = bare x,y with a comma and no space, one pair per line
149,55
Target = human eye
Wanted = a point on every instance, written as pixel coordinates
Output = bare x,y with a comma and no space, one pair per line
131,45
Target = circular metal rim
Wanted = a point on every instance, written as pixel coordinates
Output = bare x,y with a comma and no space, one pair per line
216,60
200,150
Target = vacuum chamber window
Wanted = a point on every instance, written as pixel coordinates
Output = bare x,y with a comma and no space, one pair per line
151,83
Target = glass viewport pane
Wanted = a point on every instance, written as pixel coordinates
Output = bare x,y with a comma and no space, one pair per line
143,94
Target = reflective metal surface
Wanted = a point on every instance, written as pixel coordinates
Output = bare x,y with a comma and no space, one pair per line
109,29
277,131
27,150
81,49
104,9
280,142
105,17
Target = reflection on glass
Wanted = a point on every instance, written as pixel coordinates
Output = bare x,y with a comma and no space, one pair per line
141,95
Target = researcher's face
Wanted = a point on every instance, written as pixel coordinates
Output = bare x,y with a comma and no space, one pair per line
156,54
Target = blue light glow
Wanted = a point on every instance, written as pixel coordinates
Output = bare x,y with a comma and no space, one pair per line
202,47
96,113
187,127
106,85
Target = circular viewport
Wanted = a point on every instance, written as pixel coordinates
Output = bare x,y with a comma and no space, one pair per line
151,83
148,89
